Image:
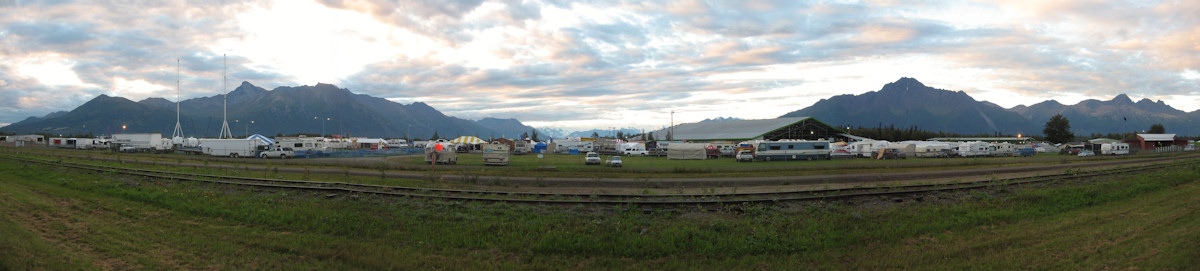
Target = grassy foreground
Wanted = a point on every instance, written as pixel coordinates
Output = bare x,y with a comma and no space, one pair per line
62,219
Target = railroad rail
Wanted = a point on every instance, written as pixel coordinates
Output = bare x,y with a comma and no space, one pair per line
605,199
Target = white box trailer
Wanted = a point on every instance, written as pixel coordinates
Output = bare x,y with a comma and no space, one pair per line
229,147
140,142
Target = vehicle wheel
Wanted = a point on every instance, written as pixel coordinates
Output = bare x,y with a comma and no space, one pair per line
768,159
283,156
809,158
233,155
263,156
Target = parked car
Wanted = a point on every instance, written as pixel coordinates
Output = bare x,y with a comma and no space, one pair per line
892,153
277,152
1086,153
744,156
613,161
591,158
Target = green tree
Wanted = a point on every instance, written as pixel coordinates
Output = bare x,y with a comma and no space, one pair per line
435,136
534,135
1058,129
1157,128
595,134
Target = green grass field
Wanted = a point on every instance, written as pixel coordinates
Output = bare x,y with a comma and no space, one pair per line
63,219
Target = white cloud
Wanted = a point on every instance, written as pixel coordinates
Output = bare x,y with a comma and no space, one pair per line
49,69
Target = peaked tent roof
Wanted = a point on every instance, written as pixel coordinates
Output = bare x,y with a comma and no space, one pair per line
262,139
467,140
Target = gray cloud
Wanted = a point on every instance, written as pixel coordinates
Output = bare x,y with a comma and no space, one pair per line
655,53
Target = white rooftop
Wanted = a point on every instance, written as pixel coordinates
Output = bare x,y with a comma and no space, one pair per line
726,130
1158,137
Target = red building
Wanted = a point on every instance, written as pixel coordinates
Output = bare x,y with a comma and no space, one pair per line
1151,141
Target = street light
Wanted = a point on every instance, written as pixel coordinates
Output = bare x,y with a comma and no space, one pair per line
322,124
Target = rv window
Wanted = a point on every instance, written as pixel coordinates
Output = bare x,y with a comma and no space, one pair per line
308,144
790,146
775,147
298,145
818,147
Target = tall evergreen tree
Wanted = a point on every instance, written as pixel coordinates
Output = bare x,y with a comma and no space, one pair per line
1058,129
1157,128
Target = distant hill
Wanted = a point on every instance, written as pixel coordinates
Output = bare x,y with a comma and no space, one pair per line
907,102
507,128
322,108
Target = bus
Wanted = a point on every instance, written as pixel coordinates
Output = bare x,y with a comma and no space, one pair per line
793,150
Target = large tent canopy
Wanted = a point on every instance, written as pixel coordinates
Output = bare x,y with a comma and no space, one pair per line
467,140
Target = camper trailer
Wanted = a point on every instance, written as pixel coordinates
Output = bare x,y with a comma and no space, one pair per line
496,154
793,150
865,148
974,149
933,150
1114,148
444,156
573,147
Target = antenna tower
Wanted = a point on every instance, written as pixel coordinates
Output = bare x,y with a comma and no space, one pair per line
178,128
224,101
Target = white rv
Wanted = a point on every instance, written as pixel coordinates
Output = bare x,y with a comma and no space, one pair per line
974,149
1114,148
444,156
864,148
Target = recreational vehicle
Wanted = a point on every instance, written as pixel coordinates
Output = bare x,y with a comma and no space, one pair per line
1114,148
495,154
229,147
793,150
865,148
440,152
974,149
302,144
933,150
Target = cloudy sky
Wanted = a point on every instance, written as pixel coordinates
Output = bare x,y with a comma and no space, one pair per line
593,64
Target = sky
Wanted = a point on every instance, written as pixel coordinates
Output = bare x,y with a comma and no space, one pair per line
578,65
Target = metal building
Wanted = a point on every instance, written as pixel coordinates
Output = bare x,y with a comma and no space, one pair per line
800,128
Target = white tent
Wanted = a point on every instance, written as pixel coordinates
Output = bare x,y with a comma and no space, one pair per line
687,151
467,140
262,140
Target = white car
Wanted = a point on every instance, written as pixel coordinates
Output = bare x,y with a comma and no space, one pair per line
278,152
614,161
744,156
591,159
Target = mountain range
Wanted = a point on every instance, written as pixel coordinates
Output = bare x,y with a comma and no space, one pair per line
327,109
908,103
320,109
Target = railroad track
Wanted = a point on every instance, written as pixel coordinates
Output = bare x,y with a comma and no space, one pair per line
337,188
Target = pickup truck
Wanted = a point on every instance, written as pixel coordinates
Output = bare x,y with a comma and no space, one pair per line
278,152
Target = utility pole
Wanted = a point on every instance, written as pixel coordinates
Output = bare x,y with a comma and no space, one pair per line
672,132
